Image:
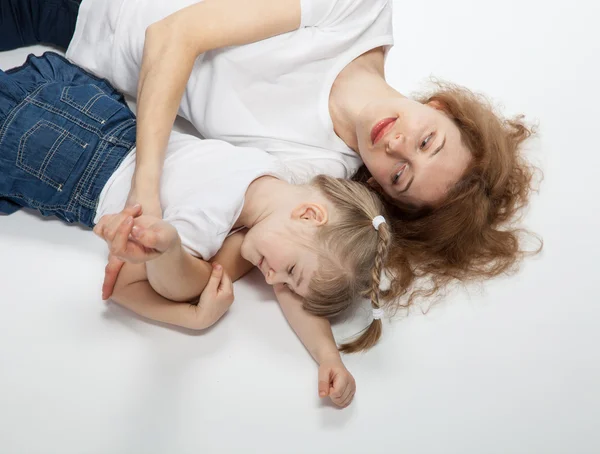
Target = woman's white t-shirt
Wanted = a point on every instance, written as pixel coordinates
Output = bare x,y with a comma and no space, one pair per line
272,94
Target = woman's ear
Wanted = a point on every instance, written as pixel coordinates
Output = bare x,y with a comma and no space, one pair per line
438,105
313,212
375,186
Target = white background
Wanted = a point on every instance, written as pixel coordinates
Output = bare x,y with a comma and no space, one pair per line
508,367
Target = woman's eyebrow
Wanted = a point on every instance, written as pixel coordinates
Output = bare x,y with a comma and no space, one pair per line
407,186
439,148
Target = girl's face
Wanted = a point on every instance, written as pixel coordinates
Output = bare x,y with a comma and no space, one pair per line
279,247
413,151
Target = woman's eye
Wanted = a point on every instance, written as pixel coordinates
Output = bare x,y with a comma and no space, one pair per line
426,141
398,174
291,270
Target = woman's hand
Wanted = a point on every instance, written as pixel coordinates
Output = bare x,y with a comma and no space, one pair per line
134,237
336,382
144,192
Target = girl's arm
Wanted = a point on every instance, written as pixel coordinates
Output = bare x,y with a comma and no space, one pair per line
170,49
179,276
229,257
134,292
315,333
136,238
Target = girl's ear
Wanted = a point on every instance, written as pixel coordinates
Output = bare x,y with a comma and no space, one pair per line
312,212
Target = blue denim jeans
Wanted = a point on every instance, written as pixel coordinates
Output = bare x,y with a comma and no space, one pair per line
63,133
27,22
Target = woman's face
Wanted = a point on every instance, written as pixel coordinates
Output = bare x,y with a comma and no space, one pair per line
413,151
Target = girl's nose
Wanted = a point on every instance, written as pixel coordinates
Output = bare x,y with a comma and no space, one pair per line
272,277
269,277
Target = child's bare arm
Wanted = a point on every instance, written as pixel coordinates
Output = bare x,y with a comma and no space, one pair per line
230,257
137,238
177,275
133,291
315,333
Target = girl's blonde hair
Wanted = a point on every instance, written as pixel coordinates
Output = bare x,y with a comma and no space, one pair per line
355,255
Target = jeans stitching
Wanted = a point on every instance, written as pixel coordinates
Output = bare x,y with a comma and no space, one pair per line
68,116
14,113
40,173
105,155
35,204
103,136
64,97
89,175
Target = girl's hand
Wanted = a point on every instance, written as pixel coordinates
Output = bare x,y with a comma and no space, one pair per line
136,238
336,382
215,300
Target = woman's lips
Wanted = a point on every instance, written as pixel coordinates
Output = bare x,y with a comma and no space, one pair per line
381,129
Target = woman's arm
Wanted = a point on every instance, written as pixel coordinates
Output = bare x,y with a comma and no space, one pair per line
170,49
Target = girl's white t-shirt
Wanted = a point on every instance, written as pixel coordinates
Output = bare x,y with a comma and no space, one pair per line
202,191
271,94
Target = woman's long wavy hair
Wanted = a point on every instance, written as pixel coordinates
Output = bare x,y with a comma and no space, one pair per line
472,233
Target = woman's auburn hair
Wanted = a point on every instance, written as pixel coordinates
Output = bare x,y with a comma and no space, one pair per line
471,234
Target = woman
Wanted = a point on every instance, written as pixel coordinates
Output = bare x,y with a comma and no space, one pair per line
304,79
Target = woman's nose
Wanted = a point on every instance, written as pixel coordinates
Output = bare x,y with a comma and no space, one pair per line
399,144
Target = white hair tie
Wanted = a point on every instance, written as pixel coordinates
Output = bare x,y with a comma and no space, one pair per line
377,221
378,313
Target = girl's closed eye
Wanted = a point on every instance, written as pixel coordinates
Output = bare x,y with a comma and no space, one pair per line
291,270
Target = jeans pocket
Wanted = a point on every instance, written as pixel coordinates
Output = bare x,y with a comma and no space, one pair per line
92,102
49,153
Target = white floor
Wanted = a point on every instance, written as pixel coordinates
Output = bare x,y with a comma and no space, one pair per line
509,367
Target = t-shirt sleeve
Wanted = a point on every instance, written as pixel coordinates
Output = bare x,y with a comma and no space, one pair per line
199,235
329,13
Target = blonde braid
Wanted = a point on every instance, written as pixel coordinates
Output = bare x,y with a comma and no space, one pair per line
382,249
369,336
